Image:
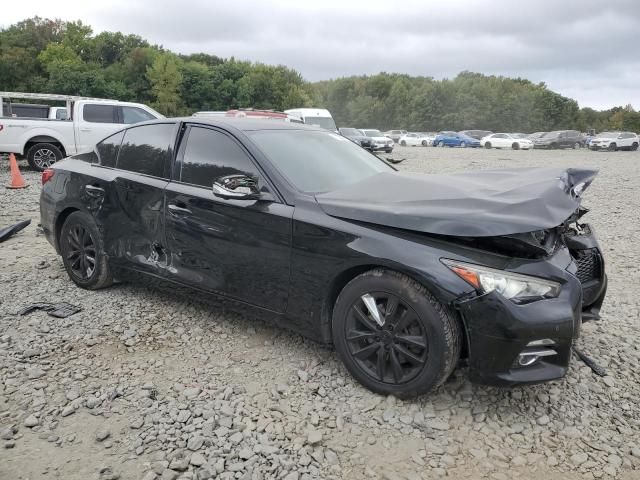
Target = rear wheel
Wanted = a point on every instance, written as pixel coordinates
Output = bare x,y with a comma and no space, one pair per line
393,336
577,146
516,146
441,144
487,145
43,155
83,254
634,147
463,145
403,143
425,143
613,147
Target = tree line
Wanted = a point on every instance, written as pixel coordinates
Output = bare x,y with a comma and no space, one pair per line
53,56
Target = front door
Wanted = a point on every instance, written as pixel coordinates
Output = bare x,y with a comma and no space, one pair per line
238,248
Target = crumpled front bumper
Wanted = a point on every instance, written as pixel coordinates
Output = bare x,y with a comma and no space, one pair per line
498,330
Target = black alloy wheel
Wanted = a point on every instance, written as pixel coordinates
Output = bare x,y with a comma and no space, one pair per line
393,336
81,253
385,338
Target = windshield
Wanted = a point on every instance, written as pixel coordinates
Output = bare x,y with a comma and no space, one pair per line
317,162
607,134
350,131
324,122
373,133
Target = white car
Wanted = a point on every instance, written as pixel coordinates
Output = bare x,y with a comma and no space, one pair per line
506,140
613,141
45,141
380,142
411,140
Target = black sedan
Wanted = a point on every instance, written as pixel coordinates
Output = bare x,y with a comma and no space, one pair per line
404,274
358,137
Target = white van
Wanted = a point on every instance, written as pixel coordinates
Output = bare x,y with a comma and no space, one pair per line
314,116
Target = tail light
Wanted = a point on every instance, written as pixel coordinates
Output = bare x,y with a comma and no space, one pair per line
47,175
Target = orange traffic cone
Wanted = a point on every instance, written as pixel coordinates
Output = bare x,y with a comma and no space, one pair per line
16,177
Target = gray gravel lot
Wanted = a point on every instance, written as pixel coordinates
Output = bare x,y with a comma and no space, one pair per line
145,385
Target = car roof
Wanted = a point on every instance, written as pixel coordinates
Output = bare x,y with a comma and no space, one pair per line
243,124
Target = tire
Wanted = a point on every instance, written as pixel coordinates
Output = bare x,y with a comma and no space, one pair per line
577,146
79,233
463,145
388,150
42,155
403,143
487,145
515,146
441,144
613,147
407,362
425,143
634,147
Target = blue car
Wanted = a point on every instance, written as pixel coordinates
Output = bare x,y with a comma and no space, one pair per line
453,139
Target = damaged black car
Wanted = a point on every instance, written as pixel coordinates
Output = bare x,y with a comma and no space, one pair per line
404,274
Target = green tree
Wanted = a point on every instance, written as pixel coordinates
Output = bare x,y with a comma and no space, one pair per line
165,78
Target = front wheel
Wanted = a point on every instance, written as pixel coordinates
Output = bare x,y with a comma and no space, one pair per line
403,143
463,145
441,144
634,147
487,145
577,146
43,155
82,252
516,146
425,143
393,336
613,147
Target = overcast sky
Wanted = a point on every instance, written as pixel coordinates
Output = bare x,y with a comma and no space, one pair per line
588,50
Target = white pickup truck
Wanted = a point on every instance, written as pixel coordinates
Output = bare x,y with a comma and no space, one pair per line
45,141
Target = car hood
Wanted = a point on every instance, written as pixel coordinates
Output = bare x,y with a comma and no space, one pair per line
472,204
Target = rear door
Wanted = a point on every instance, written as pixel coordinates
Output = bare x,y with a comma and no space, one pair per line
133,211
238,248
95,121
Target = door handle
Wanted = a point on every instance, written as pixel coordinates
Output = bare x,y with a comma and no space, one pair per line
175,209
94,191
85,129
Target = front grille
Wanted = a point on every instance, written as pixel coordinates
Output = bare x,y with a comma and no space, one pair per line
588,263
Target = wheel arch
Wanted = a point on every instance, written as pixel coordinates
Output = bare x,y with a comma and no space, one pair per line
345,276
43,139
60,219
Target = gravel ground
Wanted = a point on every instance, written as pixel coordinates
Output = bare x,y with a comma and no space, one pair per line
146,385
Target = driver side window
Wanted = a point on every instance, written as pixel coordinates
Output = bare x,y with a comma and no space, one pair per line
210,154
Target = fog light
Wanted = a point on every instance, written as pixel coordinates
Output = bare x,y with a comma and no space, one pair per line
532,353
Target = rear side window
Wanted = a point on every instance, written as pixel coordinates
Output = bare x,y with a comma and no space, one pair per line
108,149
99,113
210,154
146,149
135,115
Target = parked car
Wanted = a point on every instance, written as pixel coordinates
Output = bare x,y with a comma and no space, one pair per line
506,140
358,137
380,142
477,134
427,138
320,117
560,139
453,139
262,114
613,141
319,235
395,135
46,141
411,140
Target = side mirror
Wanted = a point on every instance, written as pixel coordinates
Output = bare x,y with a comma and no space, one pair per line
236,187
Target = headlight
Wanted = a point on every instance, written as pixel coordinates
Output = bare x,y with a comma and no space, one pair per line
513,286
